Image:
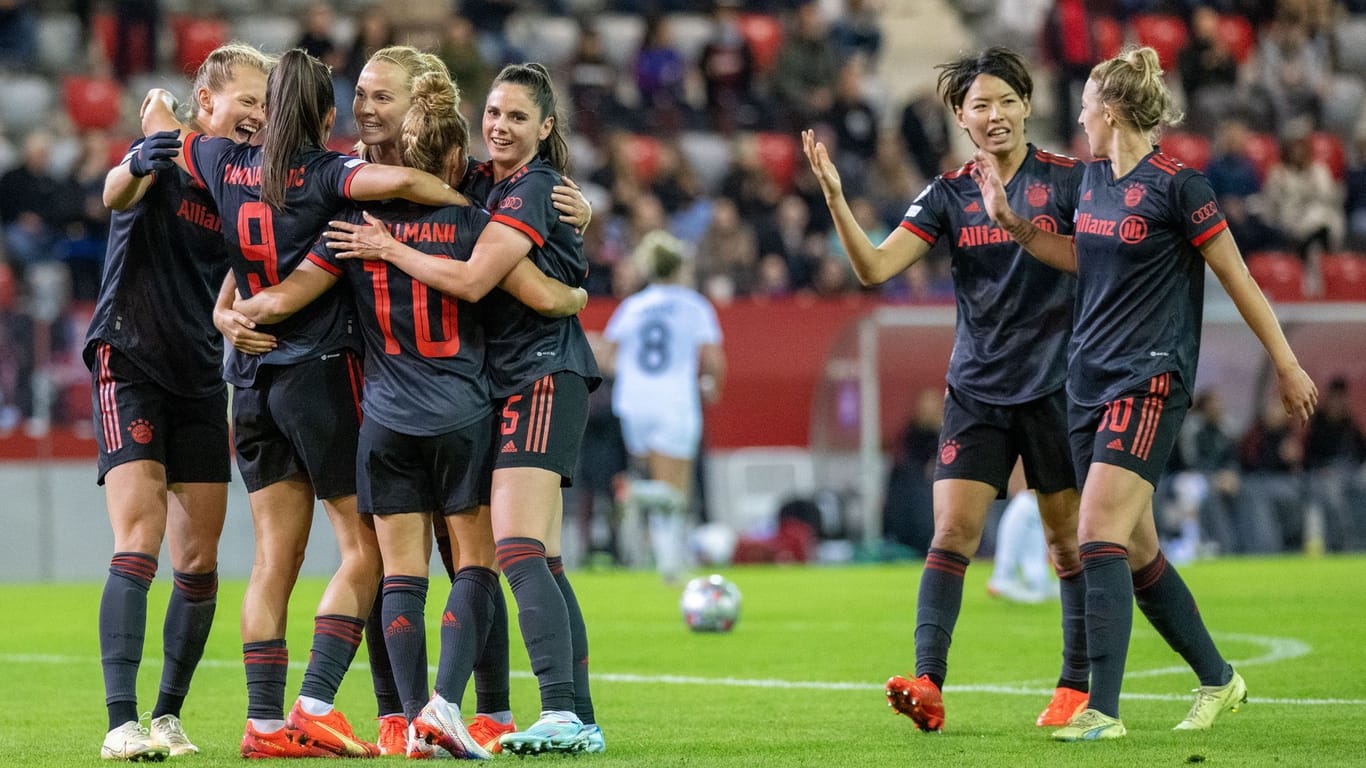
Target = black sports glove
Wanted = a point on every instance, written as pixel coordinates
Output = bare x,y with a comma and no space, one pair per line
157,153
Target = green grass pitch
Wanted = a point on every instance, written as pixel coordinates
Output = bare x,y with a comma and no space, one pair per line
798,683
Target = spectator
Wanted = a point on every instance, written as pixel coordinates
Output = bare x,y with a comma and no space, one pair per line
858,30
1305,200
34,205
1334,447
18,34
908,514
1271,456
727,68
728,254
1355,192
1069,44
459,51
747,181
137,24
373,32
319,21
807,68
87,231
660,73
786,234
925,134
1293,69
1209,73
855,125
1204,483
592,83
1235,182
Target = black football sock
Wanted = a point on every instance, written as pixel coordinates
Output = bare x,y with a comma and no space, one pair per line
335,640
267,665
387,700
189,617
1076,668
464,629
578,640
491,682
405,633
1109,620
936,612
123,624
1165,599
543,618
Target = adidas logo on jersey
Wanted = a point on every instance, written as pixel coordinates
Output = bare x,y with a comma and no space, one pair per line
973,207
1115,445
508,447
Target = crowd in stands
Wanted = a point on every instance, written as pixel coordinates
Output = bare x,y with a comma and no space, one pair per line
684,116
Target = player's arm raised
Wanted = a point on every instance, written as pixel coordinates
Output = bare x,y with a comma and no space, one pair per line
873,264
1057,251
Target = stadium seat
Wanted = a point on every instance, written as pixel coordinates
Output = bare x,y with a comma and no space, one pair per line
708,155
270,33
690,32
195,39
25,101
1326,147
1279,273
1237,33
1109,34
1165,33
1264,150
621,34
1350,36
1344,276
645,154
92,102
105,29
1192,149
779,152
551,40
58,36
764,36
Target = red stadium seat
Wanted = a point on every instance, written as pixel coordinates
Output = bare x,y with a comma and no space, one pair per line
195,39
1264,150
1280,274
91,102
645,155
1192,149
1237,33
1344,276
105,29
764,36
779,152
1326,147
1165,33
1109,36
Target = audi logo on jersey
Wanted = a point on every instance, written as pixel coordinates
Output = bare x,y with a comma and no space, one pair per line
1204,213
510,204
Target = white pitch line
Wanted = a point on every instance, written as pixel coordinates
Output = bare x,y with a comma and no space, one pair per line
1277,649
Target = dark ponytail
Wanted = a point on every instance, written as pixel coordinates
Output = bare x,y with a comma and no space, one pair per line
554,149
298,100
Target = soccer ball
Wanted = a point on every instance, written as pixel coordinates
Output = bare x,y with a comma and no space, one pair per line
711,604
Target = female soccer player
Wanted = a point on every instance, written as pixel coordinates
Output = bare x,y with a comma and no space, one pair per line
665,346
1146,227
383,97
541,371
161,405
296,408
1005,396
423,345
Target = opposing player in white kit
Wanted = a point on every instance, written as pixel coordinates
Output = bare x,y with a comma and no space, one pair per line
664,344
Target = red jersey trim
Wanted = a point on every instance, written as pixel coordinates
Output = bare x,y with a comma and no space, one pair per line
329,267
190,139
346,185
520,226
1052,159
917,231
1204,237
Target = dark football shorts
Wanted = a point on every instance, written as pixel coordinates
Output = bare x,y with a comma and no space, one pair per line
446,473
981,441
137,418
1136,431
301,419
542,426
